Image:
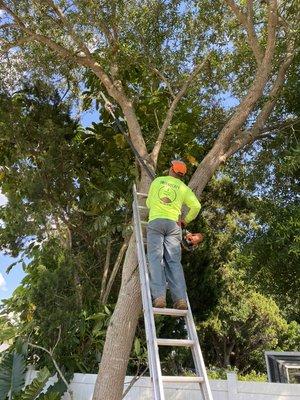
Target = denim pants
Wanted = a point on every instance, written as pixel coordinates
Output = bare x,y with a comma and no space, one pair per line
164,256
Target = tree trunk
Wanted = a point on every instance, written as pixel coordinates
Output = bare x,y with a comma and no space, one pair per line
206,169
121,330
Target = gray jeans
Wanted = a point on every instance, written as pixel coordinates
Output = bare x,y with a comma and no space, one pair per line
164,256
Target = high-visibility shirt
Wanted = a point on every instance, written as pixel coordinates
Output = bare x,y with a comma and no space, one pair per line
166,197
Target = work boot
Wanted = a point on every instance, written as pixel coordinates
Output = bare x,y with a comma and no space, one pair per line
180,304
159,302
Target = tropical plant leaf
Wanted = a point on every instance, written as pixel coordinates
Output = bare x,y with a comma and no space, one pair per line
137,346
12,374
50,396
33,390
21,347
59,388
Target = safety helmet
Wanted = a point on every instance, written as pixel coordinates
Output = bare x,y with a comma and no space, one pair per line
179,167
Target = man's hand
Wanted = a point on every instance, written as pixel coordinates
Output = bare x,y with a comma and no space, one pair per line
181,223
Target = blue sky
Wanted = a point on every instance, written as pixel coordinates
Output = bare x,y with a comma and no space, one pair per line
9,282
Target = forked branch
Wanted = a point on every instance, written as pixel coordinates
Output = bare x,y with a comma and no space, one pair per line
113,89
51,354
65,22
249,136
171,110
247,21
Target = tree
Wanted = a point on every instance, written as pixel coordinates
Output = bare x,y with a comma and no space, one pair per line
61,214
242,325
118,37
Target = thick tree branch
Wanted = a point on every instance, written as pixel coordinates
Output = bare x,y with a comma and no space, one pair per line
249,136
170,112
246,20
217,154
61,50
6,26
115,271
114,88
9,11
242,18
39,37
65,22
247,139
259,81
10,45
252,38
106,268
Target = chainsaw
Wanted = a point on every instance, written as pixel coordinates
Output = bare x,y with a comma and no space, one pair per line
190,241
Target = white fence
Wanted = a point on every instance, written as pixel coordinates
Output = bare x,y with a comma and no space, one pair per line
82,387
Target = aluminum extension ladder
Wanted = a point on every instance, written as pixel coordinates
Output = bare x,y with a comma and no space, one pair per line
152,341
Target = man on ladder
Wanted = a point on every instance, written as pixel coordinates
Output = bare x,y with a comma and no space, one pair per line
167,195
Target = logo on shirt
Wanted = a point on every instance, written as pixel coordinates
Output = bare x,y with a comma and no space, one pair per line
167,194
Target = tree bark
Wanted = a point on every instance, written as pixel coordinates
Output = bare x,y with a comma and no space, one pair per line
105,271
115,271
122,327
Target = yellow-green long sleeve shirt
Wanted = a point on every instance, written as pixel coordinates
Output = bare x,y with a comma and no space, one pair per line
166,197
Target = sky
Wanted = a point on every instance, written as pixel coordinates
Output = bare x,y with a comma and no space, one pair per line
9,282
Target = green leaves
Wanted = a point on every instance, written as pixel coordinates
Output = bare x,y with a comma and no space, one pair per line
244,322
137,347
7,330
12,374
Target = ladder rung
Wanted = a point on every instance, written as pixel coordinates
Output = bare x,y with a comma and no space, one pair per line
144,222
183,379
175,342
142,194
170,311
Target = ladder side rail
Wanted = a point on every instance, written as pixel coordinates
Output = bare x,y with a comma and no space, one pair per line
197,355
154,361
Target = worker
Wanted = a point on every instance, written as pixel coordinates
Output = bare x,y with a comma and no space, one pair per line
167,195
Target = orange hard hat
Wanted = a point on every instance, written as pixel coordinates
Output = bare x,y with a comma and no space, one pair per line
179,167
